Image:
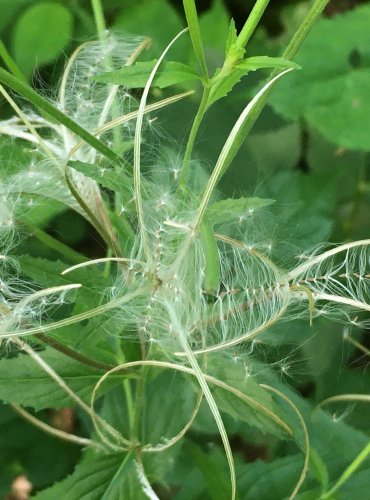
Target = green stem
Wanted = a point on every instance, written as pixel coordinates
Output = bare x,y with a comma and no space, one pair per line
139,404
193,134
99,19
289,53
71,353
121,358
66,436
252,22
10,63
305,27
348,472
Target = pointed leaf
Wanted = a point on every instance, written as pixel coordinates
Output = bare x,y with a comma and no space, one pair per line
232,37
136,76
232,208
259,62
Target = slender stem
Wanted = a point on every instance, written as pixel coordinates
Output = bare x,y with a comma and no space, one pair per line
252,22
10,63
303,475
289,53
99,18
214,409
66,436
359,346
137,149
348,472
139,404
71,353
299,36
77,317
107,236
121,358
193,134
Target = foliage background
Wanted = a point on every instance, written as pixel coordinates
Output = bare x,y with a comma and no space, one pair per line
309,151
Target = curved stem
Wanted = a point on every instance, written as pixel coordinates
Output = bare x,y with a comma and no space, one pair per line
252,22
305,434
72,353
65,436
348,472
192,136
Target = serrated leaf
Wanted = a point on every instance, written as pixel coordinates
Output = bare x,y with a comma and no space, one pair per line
232,208
107,477
260,62
225,84
24,382
213,471
41,34
263,481
235,375
136,76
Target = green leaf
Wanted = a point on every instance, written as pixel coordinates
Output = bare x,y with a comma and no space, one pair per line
178,400
41,34
276,479
224,84
136,76
108,477
106,177
331,91
213,471
235,374
232,208
24,382
259,62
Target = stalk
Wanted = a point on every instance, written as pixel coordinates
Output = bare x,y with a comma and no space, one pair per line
252,22
192,136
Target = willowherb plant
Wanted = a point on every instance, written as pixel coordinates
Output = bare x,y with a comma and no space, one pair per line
197,281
